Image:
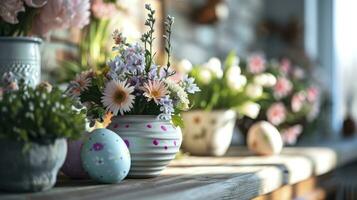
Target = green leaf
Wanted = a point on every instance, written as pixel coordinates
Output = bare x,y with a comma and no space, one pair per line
231,59
177,121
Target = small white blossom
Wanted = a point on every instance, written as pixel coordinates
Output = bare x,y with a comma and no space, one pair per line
204,76
250,109
184,66
214,65
265,80
178,91
237,83
254,90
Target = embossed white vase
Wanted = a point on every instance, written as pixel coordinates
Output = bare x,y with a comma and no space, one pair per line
152,143
208,133
21,56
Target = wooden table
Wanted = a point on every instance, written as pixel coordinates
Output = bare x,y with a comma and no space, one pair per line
238,175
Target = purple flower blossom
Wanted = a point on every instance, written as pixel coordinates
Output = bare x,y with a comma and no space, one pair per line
189,85
129,61
117,66
166,108
152,75
157,72
136,81
134,58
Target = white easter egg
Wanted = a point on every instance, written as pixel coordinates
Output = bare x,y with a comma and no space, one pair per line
105,156
264,139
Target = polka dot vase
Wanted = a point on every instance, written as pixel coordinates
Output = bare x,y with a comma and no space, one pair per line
105,156
152,143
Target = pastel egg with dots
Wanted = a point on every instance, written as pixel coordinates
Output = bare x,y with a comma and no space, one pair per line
105,156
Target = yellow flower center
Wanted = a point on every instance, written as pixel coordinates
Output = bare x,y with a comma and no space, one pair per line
155,93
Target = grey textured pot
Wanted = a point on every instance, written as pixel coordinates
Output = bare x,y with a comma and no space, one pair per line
152,143
21,56
33,170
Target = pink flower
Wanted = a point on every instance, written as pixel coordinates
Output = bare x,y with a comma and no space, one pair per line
61,14
81,13
256,64
312,94
285,65
9,10
282,87
276,113
103,10
297,101
291,134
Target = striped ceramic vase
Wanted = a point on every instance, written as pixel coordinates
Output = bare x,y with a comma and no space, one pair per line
152,143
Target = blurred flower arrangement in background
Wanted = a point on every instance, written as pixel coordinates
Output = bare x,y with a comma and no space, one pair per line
291,101
93,50
40,17
133,84
223,88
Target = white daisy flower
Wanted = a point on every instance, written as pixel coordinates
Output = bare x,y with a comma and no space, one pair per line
118,97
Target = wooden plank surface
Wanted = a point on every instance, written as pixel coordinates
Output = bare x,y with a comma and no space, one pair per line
238,175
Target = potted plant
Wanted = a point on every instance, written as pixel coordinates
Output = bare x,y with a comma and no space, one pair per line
34,125
209,126
291,100
22,22
143,98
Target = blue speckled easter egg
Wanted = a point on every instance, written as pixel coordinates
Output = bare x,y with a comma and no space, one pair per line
105,156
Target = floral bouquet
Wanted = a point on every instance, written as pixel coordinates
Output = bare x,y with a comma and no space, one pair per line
39,17
92,48
133,84
210,126
225,88
290,100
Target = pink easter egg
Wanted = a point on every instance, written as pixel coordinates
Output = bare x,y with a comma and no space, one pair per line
72,166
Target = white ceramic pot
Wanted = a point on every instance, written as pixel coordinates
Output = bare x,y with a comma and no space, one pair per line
21,56
208,133
152,143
